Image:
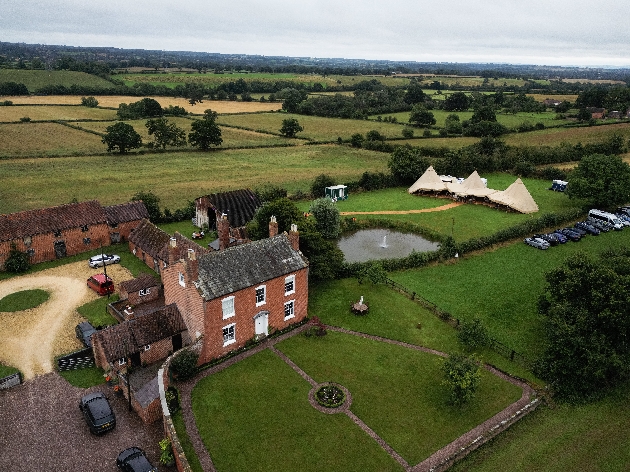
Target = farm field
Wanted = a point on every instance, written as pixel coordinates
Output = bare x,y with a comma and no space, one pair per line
35,79
182,176
555,136
315,128
52,112
44,139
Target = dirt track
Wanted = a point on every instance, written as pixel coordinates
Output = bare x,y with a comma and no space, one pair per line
401,212
30,339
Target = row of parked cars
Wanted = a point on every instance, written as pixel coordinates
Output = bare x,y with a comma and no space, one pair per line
598,221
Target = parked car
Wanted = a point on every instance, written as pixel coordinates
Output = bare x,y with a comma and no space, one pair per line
600,225
578,230
625,210
97,413
101,284
572,235
133,459
625,219
537,243
84,331
590,229
103,259
550,238
561,237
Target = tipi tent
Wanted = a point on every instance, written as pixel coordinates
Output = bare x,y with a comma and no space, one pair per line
429,181
472,186
517,197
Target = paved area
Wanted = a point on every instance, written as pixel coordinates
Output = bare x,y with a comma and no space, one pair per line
440,460
42,428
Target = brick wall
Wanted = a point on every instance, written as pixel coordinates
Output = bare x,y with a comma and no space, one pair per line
99,355
153,264
245,309
187,298
123,229
158,351
134,298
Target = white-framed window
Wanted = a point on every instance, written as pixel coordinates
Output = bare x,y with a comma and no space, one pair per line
229,334
289,309
164,264
289,285
261,295
182,281
122,361
227,305
147,347
144,291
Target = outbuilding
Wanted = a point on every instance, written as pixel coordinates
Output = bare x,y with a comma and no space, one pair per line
337,192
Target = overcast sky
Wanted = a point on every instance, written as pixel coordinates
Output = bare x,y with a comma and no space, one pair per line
545,32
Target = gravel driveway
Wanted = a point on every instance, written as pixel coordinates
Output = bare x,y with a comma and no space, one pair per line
41,428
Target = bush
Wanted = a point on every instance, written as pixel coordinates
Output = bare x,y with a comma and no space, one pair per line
473,334
25,119
318,188
270,192
184,365
407,133
17,261
89,102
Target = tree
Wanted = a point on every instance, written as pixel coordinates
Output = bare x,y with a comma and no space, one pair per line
152,203
483,113
17,261
407,164
205,132
452,124
121,136
90,102
165,133
327,219
407,132
473,334
457,101
374,135
145,108
291,99
290,127
600,180
585,302
414,93
285,211
356,140
318,187
462,375
584,115
420,116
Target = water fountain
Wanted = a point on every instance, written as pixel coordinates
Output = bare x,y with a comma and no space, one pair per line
380,243
384,243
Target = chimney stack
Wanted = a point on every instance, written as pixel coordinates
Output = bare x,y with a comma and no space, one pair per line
192,265
294,238
223,230
273,227
172,250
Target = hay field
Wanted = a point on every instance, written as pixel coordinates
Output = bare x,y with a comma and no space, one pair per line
34,79
174,177
52,112
555,136
316,128
45,139
451,143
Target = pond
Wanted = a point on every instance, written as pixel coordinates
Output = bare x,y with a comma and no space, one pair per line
367,244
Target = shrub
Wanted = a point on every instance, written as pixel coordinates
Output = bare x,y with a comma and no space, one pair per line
318,188
407,133
184,365
25,119
462,375
473,334
17,261
89,102
270,192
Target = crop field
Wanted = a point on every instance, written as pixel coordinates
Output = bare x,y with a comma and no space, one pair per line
451,143
52,112
174,177
44,139
539,97
316,128
555,136
34,79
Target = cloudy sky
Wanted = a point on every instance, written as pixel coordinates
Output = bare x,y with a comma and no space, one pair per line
545,32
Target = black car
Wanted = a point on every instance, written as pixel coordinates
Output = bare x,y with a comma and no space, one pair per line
600,225
84,332
97,413
572,235
590,229
550,238
578,230
133,459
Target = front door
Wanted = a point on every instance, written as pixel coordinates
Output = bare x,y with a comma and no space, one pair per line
261,323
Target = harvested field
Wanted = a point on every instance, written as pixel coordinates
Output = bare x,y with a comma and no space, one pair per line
555,136
63,113
35,79
45,139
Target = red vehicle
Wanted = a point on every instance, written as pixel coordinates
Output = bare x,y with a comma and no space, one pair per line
101,284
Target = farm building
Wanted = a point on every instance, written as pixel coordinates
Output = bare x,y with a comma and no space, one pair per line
237,294
65,230
238,206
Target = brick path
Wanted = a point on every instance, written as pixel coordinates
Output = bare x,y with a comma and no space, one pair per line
438,461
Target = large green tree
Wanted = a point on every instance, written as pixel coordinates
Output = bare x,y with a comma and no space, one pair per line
152,203
122,137
602,181
587,307
205,132
407,164
290,127
327,219
462,375
457,101
420,116
452,124
165,133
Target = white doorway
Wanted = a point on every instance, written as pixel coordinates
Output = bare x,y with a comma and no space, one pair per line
261,324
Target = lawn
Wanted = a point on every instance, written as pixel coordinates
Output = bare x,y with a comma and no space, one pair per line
315,127
96,311
260,415
84,378
176,177
593,437
46,140
54,112
6,370
23,300
397,391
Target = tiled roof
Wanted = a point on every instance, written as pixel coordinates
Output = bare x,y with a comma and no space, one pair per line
141,282
149,238
48,220
124,212
131,336
181,248
247,265
238,205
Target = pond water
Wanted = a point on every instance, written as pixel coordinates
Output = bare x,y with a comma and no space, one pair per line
367,244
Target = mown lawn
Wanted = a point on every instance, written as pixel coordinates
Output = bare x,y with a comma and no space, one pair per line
397,391
176,177
23,300
84,378
257,412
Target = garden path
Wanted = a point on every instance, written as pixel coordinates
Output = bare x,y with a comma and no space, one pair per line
438,461
402,212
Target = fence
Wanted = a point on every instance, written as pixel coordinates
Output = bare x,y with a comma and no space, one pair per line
76,360
495,345
10,381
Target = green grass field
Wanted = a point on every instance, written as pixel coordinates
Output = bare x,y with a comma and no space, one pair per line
556,136
23,300
52,112
35,79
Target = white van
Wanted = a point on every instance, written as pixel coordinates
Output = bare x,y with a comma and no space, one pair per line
604,216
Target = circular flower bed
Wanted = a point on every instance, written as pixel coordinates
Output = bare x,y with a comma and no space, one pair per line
330,396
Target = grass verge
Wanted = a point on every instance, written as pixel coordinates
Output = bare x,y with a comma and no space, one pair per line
184,440
96,311
23,300
84,378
